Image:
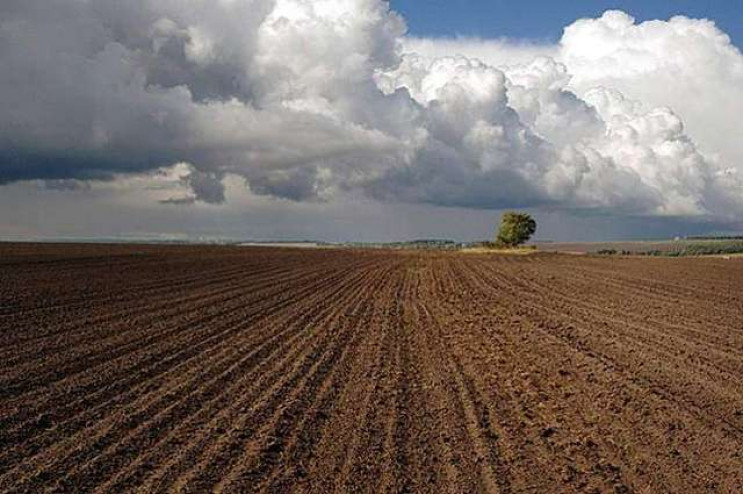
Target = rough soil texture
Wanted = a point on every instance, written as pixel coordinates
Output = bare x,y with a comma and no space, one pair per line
198,369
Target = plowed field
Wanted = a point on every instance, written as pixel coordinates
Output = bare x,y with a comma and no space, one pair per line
197,369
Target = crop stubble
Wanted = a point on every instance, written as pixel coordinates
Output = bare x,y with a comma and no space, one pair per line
198,369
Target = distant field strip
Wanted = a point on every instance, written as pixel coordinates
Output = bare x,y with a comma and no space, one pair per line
252,369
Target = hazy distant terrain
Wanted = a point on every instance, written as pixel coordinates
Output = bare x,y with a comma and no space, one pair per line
650,247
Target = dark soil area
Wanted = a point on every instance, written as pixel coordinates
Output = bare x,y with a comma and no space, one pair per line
226,369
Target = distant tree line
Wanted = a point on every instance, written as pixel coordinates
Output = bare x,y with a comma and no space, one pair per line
715,237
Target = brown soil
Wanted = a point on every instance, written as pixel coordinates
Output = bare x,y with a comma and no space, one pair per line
198,369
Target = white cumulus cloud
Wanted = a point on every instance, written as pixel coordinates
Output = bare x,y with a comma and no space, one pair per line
308,99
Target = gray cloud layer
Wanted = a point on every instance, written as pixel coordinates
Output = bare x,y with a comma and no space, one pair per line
307,99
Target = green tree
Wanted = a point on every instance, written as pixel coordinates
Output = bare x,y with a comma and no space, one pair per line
515,229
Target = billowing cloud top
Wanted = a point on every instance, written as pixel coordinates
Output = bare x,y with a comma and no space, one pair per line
306,98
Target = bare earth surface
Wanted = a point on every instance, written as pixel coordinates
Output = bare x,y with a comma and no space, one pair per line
200,369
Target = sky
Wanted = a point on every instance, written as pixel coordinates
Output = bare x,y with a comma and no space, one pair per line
365,120
517,20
